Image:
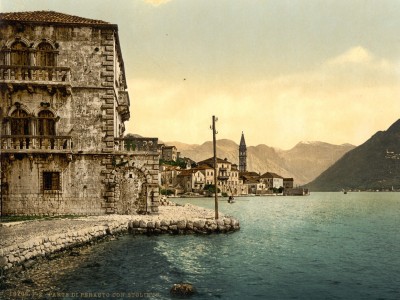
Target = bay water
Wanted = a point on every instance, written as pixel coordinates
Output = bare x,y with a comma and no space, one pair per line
321,246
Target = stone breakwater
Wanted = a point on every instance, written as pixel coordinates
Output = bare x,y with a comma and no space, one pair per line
183,226
17,250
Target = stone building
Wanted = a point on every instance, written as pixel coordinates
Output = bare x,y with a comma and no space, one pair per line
253,182
227,176
272,180
169,153
192,180
288,183
64,102
168,176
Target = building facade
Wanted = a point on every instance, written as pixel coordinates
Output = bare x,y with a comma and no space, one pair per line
169,153
64,102
227,176
192,180
272,180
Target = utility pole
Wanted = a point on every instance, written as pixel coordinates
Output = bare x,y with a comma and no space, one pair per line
214,119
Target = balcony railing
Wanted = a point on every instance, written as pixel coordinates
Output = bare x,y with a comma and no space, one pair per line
136,144
29,143
223,177
35,74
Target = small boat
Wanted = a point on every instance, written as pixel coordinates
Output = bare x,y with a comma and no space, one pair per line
231,199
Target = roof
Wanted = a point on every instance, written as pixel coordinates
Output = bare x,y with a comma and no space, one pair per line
249,174
187,172
242,141
271,175
210,161
48,17
248,177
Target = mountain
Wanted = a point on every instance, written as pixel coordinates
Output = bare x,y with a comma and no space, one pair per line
308,159
372,165
304,162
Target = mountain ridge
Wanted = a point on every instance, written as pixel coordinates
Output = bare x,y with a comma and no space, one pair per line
374,165
304,162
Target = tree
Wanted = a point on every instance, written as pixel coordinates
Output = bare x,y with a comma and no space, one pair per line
211,188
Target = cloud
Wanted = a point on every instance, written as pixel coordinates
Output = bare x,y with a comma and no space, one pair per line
355,55
156,2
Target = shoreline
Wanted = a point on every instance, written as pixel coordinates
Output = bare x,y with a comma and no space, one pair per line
23,242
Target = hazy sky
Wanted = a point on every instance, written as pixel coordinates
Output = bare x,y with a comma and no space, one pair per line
281,71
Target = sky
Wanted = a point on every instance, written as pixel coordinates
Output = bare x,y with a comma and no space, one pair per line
281,71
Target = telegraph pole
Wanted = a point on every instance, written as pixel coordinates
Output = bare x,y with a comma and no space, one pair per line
214,119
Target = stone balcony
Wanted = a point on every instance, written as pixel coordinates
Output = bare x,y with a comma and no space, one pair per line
32,144
35,75
131,145
123,105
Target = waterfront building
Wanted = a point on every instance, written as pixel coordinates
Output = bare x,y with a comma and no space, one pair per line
254,183
64,104
242,155
227,176
288,183
192,180
272,180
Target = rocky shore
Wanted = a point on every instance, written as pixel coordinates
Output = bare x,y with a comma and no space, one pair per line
23,242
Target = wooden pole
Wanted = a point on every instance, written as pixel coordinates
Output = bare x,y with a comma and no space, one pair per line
215,166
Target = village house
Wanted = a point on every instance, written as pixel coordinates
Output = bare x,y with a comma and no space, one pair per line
253,183
272,180
227,176
64,104
168,176
208,173
192,180
169,153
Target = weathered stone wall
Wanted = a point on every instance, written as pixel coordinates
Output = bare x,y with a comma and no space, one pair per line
81,117
81,191
90,184
131,179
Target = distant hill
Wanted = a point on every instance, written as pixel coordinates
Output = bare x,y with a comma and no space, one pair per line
372,165
309,159
304,162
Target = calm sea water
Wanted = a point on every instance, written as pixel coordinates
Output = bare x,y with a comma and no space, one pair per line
322,246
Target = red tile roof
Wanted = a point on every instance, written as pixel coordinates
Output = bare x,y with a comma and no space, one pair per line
48,17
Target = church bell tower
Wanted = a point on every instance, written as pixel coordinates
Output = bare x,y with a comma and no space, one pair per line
242,155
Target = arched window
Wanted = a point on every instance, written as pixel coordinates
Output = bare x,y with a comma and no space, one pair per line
19,54
45,56
46,123
19,122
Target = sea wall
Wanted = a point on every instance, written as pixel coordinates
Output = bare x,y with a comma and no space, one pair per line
23,253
